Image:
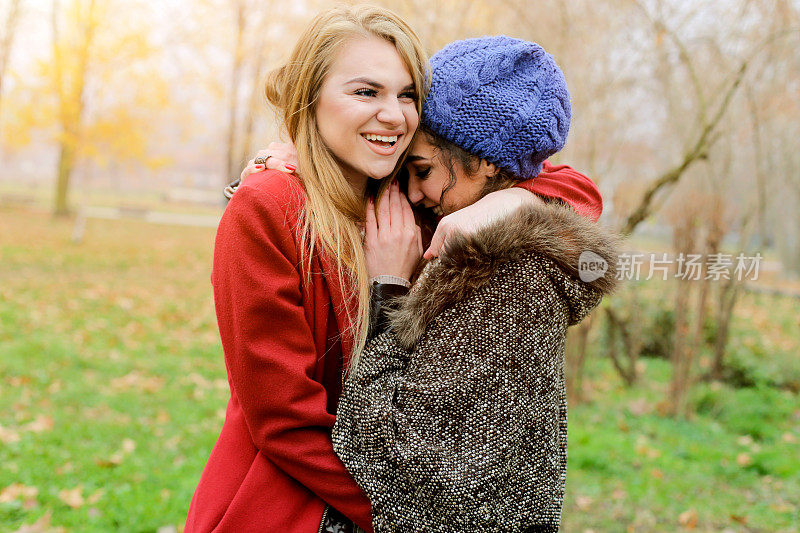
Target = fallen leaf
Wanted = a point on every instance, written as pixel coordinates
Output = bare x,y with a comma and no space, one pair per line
39,424
743,459
639,407
583,502
8,435
663,408
17,491
72,497
656,473
65,468
41,526
739,518
619,494
198,380
745,440
138,381
114,460
128,445
95,497
172,442
688,519
789,437
782,507
18,381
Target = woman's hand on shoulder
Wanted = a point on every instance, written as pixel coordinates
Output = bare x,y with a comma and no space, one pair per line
279,156
392,239
492,207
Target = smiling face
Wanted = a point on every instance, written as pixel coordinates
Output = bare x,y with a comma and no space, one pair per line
431,183
366,112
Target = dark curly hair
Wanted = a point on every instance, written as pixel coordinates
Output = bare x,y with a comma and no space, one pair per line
452,154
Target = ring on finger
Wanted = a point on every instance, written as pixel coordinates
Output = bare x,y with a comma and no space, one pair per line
261,160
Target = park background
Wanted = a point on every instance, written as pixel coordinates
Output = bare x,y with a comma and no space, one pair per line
121,121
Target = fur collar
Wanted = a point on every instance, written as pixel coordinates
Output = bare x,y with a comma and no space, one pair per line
552,231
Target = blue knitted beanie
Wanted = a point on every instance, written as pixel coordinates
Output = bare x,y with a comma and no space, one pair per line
502,99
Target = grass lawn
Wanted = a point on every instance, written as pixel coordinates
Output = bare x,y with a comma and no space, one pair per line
113,389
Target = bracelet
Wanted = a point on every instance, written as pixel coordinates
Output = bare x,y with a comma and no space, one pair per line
394,280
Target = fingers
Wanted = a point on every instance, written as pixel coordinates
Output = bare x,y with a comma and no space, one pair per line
408,214
383,210
371,223
396,208
279,156
251,168
273,163
437,242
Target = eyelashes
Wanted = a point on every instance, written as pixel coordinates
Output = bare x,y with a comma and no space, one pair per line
423,174
372,92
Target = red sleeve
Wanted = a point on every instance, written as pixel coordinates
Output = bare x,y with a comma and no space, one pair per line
567,184
269,348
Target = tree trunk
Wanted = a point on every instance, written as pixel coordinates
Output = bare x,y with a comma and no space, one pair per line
577,343
729,293
684,239
7,43
680,364
71,103
66,163
626,367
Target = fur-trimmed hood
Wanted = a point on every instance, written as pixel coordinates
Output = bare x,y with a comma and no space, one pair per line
584,253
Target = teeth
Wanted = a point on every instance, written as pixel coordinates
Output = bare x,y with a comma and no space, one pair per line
437,210
383,138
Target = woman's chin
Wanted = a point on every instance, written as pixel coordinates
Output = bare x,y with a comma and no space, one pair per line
378,173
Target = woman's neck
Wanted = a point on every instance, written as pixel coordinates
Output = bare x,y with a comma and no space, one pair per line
358,183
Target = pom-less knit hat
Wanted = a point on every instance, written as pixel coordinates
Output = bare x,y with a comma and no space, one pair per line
502,99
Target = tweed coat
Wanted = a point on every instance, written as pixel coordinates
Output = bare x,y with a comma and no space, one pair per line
455,420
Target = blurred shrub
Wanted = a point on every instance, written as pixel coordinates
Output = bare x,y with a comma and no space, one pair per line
753,366
754,411
659,329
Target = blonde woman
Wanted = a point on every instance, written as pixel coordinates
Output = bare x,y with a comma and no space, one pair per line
290,279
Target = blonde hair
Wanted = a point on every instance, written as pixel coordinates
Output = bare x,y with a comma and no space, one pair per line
333,210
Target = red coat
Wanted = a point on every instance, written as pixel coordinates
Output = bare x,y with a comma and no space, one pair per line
273,466
561,181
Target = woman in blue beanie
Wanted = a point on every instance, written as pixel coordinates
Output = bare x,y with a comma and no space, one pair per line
455,419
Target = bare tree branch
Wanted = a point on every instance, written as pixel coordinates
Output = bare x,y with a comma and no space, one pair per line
685,58
698,151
